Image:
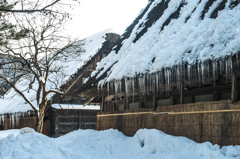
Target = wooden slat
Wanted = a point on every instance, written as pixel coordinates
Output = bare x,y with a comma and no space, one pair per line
79,120
124,101
181,93
234,87
88,117
174,113
68,123
125,114
102,105
65,131
154,98
89,123
70,116
215,95
211,111
172,100
56,126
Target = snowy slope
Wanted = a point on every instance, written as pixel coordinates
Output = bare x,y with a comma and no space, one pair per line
174,32
5,133
86,144
13,103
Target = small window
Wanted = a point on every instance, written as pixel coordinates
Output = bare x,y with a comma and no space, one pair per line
203,98
163,102
133,106
120,107
83,79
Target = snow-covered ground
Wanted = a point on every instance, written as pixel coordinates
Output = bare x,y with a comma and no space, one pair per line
86,144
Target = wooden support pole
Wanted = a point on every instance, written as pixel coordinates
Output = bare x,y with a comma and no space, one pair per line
102,105
140,104
79,120
234,87
113,104
154,98
215,95
181,92
125,102
172,100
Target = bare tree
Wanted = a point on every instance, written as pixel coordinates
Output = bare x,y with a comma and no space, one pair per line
10,9
38,61
53,7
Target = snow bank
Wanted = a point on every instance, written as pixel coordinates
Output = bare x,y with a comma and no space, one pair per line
5,133
26,130
112,144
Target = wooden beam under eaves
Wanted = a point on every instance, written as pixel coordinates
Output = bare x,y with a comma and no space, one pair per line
234,87
181,92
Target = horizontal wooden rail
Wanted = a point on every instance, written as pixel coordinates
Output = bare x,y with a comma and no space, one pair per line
174,113
126,114
211,111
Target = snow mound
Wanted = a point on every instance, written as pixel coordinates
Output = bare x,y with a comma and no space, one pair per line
112,144
5,133
26,130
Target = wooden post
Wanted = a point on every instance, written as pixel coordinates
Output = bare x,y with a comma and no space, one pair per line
154,98
181,93
172,100
79,120
56,126
102,105
125,102
215,95
140,104
113,106
234,87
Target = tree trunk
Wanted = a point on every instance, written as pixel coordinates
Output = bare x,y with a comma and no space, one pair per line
41,118
36,113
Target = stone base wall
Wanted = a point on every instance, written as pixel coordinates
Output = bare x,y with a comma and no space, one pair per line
217,122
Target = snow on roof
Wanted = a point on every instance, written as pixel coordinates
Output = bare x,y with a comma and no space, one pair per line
12,102
171,32
76,106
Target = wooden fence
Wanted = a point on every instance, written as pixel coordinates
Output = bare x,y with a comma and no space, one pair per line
217,121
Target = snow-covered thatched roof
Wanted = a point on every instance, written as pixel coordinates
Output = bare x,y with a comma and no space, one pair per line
169,33
13,103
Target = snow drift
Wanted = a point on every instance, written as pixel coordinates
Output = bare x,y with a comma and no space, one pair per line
111,143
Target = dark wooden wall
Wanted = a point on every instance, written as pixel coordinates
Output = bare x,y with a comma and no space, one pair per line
65,121
23,122
217,121
1,127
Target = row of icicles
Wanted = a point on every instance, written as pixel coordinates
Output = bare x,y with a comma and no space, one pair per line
176,74
14,118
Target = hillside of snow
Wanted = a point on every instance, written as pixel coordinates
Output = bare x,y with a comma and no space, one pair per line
112,144
13,103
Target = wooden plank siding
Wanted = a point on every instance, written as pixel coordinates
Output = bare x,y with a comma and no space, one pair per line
70,120
216,121
184,96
